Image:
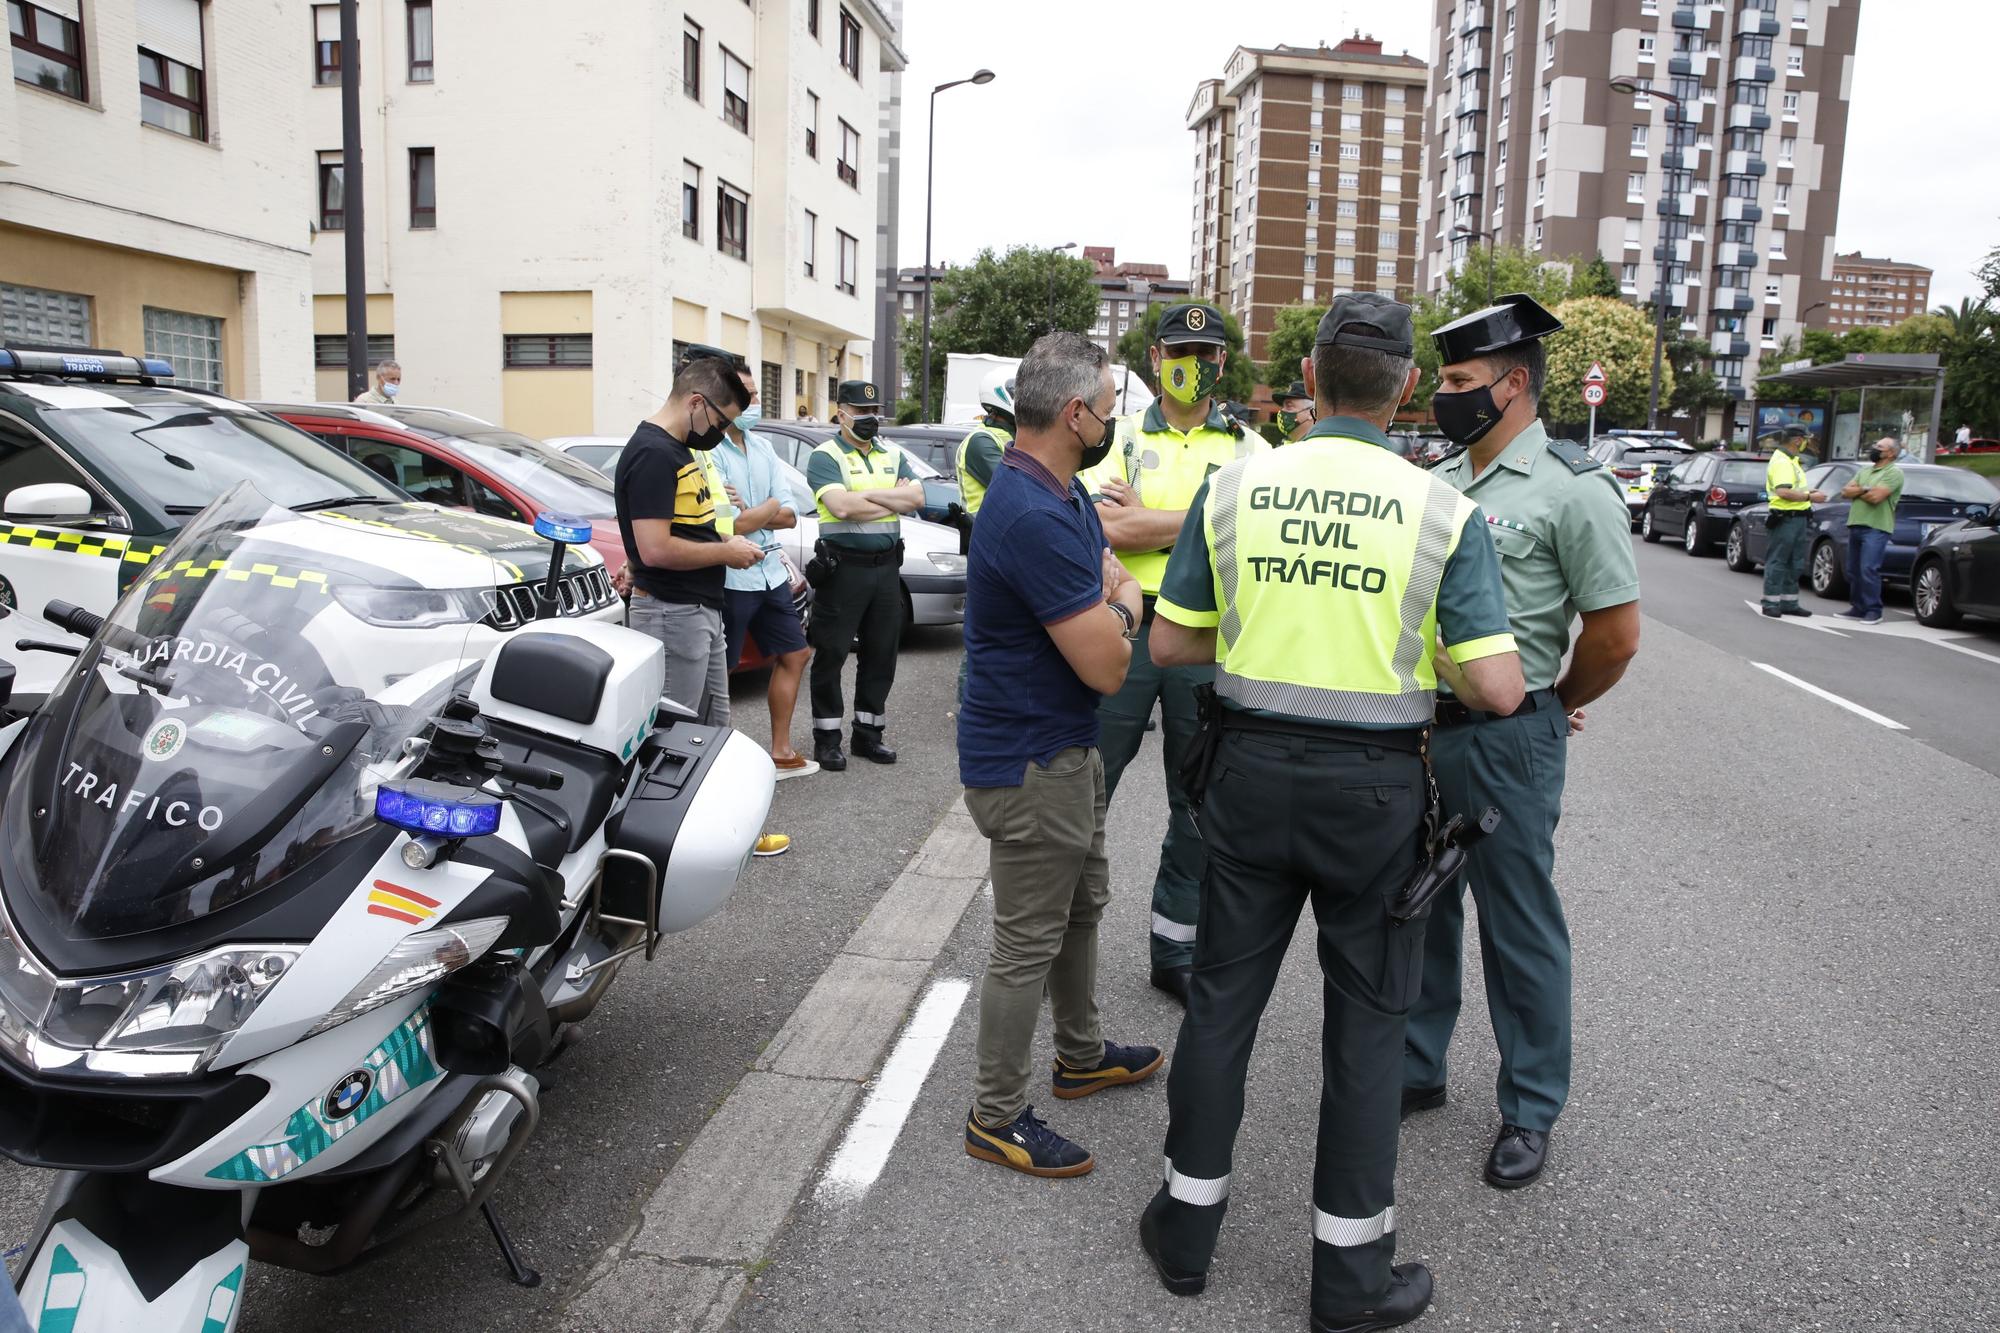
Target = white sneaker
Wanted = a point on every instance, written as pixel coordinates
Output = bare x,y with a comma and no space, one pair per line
805,768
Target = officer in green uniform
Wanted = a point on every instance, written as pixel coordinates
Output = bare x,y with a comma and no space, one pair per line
979,452
1143,490
1565,546
1295,412
863,485
1789,526
1320,578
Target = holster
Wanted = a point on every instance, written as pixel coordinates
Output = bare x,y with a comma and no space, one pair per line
825,560
1199,762
1445,848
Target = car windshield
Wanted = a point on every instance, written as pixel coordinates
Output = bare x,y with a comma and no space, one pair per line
1637,456
231,720
181,455
546,476
1949,484
1736,473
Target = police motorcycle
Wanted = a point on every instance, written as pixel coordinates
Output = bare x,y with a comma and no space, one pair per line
296,897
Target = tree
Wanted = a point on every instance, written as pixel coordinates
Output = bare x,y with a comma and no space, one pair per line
1291,341
1594,279
1504,270
1921,335
999,305
1695,388
1597,328
1239,372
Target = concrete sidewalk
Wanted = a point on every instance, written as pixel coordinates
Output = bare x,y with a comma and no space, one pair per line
1787,1034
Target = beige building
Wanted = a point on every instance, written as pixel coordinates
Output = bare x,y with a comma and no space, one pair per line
1879,293
1527,140
149,189
1306,178
555,209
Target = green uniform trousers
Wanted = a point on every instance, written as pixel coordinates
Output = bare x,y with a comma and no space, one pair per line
1517,764
1785,556
858,610
1121,721
1290,818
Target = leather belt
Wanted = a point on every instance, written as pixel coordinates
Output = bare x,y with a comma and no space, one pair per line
1452,713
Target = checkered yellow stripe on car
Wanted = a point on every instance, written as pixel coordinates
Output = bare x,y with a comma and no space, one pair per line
82,543
278,576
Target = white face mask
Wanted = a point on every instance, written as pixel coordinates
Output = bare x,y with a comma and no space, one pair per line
389,388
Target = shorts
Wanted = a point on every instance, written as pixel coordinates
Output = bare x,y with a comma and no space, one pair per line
769,615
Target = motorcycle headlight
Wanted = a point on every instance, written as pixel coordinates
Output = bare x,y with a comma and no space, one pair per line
418,960
414,608
193,1006
948,562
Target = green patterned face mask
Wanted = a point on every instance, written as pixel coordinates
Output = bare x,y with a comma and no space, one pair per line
1287,423
1188,379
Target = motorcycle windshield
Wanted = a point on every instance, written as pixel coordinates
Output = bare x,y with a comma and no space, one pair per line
232,719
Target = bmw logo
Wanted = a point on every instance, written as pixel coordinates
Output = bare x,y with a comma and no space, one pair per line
348,1094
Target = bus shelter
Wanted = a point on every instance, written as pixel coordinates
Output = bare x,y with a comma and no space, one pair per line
1899,394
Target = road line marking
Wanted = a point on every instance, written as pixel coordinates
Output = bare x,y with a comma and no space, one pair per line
1969,652
1832,698
1758,609
865,1150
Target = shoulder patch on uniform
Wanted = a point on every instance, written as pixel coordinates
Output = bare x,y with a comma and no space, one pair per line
1575,455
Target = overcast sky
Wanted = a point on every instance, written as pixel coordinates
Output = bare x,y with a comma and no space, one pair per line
1082,136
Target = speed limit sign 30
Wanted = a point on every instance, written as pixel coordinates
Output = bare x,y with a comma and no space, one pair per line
1594,394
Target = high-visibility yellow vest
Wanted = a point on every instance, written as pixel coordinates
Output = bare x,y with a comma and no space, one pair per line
1328,555
711,473
1167,469
875,470
973,489
1784,470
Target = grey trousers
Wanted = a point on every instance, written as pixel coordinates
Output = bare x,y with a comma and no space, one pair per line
1050,885
697,654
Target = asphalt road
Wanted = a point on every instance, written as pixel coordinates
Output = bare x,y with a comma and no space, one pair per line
1786,1037
666,1046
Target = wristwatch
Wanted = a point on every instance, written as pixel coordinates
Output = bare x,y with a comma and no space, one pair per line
1131,630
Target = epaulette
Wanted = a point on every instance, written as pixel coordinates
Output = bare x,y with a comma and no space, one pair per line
1444,457
1574,454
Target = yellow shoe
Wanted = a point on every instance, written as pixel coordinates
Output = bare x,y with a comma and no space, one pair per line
773,844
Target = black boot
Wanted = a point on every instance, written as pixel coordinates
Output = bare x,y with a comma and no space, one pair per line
826,751
1175,1279
1174,981
868,745
1409,1296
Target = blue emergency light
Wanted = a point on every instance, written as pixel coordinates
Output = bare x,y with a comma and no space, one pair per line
437,808
562,528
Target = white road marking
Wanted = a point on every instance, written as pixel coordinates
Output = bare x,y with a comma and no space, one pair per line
865,1150
1832,698
1969,652
1799,621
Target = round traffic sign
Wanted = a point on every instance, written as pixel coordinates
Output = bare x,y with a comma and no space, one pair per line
1594,394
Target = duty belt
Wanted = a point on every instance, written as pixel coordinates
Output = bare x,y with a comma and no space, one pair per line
869,559
1452,713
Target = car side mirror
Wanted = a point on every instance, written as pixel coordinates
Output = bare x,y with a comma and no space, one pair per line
49,499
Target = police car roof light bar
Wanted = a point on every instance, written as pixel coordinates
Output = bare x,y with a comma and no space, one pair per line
84,363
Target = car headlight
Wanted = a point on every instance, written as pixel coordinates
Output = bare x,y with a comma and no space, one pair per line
414,608
948,562
418,960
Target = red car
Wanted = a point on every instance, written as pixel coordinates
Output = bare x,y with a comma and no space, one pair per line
458,461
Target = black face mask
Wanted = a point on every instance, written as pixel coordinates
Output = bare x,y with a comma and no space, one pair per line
704,439
866,428
1466,417
1093,454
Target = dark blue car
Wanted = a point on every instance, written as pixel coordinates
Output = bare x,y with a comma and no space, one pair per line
1932,497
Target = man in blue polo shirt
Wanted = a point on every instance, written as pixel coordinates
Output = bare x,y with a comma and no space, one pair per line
1050,616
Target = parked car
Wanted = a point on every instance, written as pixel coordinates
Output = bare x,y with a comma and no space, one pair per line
1699,499
1956,571
461,462
1933,497
933,570
794,441
1635,462
1977,446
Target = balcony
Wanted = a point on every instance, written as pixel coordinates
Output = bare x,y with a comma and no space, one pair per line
1472,59
1476,17
1677,206
1754,22
1742,163
1749,69
1749,118
1468,103
1465,187
1680,159
1729,344
1735,254
1697,17
1731,300
1467,146
1683,251
1690,64
1741,210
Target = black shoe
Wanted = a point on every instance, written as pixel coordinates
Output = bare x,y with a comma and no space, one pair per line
1174,981
1421,1099
1179,1282
868,745
1409,1296
827,753
1120,1065
1799,611
1518,1157
1773,612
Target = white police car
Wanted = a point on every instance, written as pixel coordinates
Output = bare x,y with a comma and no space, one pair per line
101,464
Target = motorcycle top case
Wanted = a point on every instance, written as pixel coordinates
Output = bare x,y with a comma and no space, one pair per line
595,683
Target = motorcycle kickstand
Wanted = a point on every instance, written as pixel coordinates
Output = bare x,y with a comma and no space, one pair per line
523,1275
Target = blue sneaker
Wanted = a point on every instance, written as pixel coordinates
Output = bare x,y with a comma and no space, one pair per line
1121,1064
1028,1145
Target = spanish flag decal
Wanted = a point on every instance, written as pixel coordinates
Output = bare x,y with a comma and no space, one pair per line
400,904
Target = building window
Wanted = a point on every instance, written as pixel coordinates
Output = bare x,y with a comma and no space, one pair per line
1312,208
1393,94
1635,187
812,124
1639,135
1316,120
732,220
1628,279
1538,235
1777,245
690,200
423,188
1350,92
192,342
1312,150
1350,152
850,43
1781,198
1791,106
34,314
1549,53
1646,49
330,350
812,18
1350,124
1393,153
1801,13
1347,208
850,261
691,59
1391,213
1507,65
1311,264
1350,180
1632,229
172,92
332,193
48,49
735,91
850,155
810,243
1795,62
1343,268
545,351
1648,8
420,41
1787,150
1343,240
1506,107
326,46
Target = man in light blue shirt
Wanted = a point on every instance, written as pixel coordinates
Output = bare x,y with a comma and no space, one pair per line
758,600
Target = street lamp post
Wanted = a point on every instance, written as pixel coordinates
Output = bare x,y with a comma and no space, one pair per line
1053,252
1487,236
1669,208
930,171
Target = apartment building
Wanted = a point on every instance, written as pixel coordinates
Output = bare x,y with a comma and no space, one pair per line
150,186
1125,291
1306,178
1878,293
1528,141
556,209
